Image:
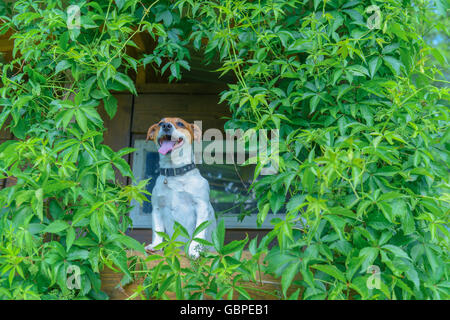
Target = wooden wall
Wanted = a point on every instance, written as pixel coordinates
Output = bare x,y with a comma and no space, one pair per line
156,99
136,114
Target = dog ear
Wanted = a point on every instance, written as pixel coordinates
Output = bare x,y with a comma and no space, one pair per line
152,131
197,132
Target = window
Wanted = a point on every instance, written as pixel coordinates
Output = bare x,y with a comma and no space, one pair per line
228,188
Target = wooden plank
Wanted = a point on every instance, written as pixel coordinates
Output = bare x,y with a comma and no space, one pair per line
5,134
6,46
10,182
117,134
187,88
150,108
141,71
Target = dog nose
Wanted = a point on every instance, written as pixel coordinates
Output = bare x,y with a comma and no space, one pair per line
166,126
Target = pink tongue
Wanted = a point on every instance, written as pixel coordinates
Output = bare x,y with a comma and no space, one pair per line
166,146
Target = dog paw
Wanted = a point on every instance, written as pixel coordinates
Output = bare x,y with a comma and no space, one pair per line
194,250
151,248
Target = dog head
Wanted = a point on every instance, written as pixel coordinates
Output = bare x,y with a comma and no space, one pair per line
174,137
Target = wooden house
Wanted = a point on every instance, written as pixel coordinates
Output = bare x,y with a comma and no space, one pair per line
195,98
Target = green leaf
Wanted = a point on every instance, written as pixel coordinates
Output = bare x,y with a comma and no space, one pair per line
234,246
39,193
331,270
342,212
408,224
358,70
355,15
62,65
64,41
337,223
369,254
308,179
276,202
295,203
178,289
301,45
81,119
390,195
119,4
243,293
394,64
200,228
128,242
313,103
397,29
437,54
110,104
397,251
123,167
431,258
182,230
343,90
288,275
175,70
218,236
70,238
3,116
125,151
56,226
359,284
262,214
120,260
95,224
78,254
125,81
374,64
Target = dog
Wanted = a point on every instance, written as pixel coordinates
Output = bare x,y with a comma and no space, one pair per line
180,194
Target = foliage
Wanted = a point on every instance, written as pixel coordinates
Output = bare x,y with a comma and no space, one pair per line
66,210
362,115
363,130
221,273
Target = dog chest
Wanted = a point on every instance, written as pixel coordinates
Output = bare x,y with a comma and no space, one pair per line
176,194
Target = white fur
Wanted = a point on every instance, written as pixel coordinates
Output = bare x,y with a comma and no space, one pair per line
184,198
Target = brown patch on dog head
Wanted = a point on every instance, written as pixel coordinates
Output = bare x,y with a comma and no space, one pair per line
190,130
152,132
197,132
185,127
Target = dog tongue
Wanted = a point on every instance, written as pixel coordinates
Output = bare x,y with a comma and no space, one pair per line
166,146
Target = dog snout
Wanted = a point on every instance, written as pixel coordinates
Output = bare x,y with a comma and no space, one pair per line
167,127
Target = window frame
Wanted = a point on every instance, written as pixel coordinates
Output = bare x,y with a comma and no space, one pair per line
144,221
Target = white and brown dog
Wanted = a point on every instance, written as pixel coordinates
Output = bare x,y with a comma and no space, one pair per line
180,194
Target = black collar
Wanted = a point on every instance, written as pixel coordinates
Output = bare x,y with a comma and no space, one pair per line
171,172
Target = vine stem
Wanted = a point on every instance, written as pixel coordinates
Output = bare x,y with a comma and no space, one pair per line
146,11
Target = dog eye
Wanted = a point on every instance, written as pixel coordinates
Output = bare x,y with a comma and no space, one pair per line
180,124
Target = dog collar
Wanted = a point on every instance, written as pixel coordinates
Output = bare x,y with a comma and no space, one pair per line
171,172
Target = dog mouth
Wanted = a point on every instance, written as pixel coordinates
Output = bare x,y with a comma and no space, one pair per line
168,143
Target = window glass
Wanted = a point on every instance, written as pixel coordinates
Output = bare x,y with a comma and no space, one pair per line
228,184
